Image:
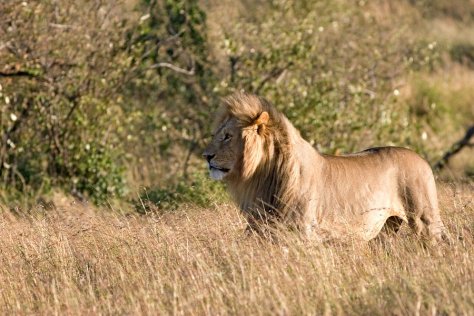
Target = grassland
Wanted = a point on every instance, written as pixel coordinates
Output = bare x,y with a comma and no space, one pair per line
74,259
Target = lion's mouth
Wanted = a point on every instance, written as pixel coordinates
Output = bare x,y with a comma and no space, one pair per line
220,169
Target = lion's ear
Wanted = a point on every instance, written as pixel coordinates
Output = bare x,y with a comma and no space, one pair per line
261,121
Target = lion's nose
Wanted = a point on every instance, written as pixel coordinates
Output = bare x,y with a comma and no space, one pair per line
208,156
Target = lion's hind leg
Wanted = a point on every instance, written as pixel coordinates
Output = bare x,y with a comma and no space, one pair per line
421,203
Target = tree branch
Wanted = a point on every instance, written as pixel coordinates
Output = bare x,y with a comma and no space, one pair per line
274,73
460,144
20,73
174,68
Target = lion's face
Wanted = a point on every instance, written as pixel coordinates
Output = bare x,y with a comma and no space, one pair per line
224,150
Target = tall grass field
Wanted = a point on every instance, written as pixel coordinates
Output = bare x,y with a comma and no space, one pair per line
73,259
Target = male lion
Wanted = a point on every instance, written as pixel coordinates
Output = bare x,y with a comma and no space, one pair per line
277,177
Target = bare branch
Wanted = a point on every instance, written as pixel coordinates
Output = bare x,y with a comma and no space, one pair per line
274,73
174,68
460,144
62,26
20,73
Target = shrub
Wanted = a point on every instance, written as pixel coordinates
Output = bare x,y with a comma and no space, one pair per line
60,114
463,53
198,190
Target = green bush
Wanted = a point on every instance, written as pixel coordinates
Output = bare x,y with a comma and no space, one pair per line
198,190
60,113
463,53
437,112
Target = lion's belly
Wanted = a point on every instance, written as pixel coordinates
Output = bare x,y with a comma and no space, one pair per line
361,221
359,210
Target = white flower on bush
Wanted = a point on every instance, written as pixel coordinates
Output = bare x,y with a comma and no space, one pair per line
10,143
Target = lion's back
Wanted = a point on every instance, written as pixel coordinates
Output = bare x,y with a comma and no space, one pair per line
388,167
408,162
401,157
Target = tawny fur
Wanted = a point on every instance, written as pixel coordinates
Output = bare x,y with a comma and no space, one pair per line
277,177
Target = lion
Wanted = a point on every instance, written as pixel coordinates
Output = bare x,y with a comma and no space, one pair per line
276,177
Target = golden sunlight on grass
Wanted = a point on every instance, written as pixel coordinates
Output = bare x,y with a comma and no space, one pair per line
78,260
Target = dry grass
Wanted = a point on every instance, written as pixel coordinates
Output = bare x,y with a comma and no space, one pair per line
77,260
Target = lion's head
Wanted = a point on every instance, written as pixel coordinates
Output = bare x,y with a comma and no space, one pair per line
241,137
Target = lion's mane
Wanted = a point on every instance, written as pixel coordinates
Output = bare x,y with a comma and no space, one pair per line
270,175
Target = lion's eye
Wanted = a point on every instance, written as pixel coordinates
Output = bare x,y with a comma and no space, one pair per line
227,136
